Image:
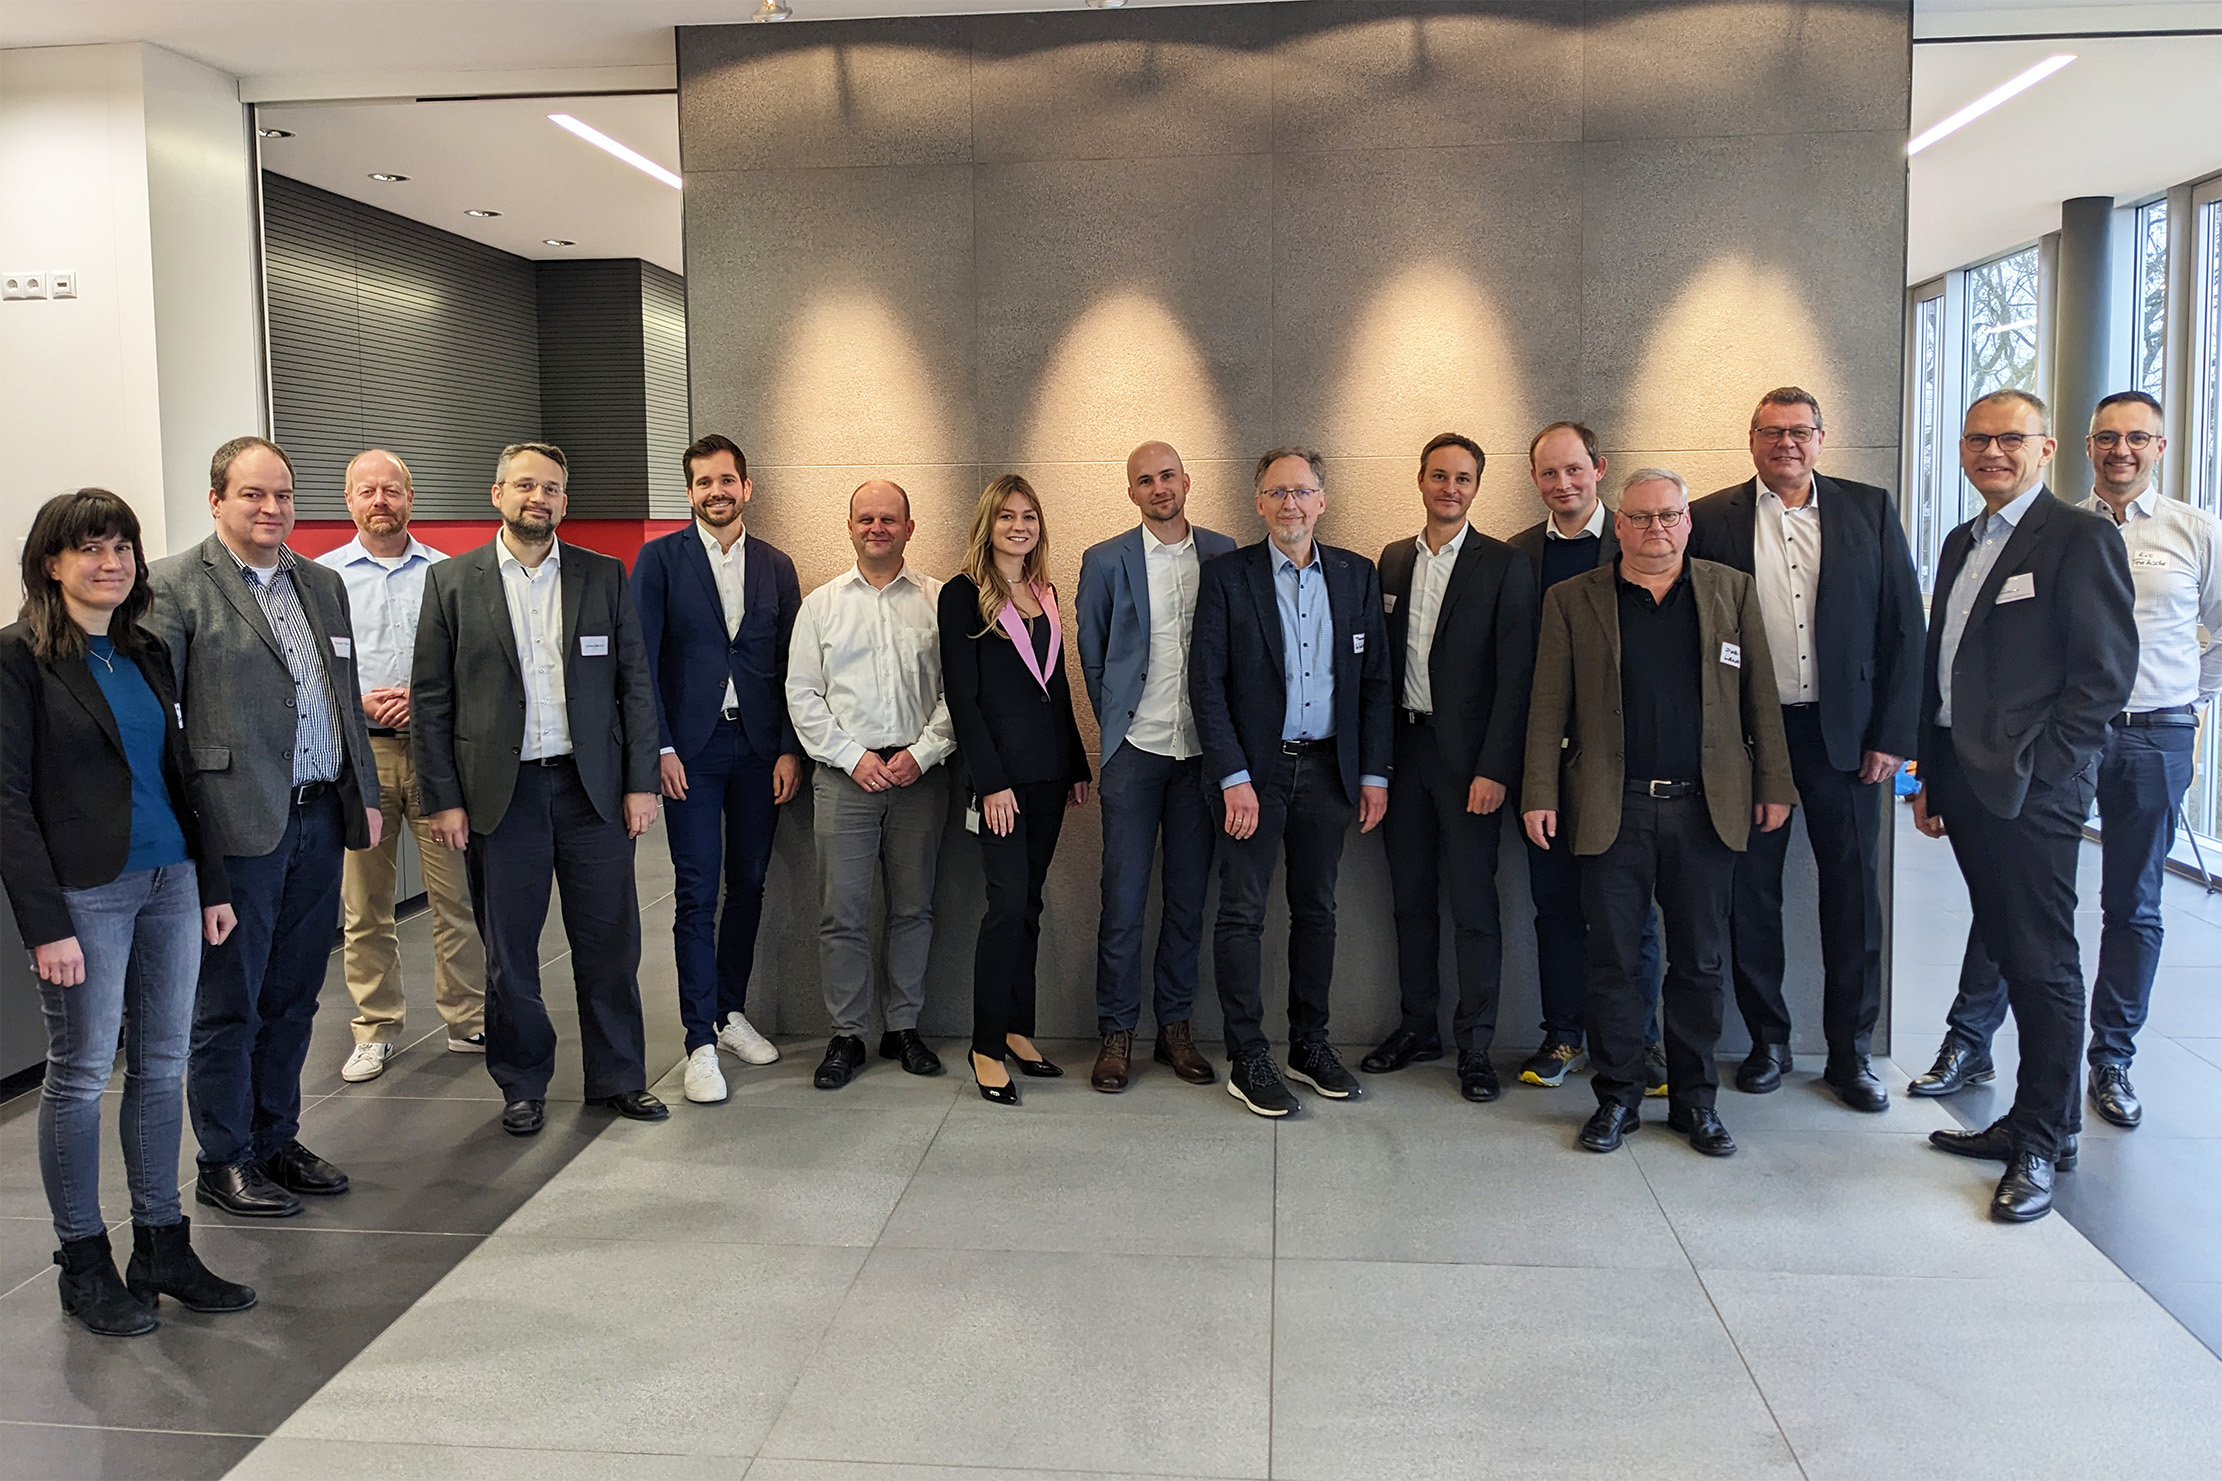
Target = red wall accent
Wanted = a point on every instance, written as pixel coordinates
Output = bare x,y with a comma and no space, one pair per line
619,537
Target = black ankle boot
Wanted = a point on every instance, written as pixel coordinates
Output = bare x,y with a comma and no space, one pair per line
94,1294
163,1262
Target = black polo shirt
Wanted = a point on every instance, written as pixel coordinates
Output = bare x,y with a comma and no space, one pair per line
1660,703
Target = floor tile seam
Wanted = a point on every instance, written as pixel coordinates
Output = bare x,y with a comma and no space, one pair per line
1272,1298
580,1448
1001,1468
32,1279
131,1429
289,1227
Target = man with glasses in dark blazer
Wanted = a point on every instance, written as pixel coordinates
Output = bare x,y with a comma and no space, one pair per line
1843,616
534,722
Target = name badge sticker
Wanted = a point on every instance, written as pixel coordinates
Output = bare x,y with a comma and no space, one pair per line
594,647
1388,602
180,712
343,647
2018,588
2150,560
1357,642
1732,654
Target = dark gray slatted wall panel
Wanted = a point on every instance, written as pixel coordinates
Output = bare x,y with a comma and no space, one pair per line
592,398
439,361
663,322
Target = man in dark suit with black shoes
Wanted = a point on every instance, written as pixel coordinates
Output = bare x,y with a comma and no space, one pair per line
2030,658
717,607
1289,681
1655,742
1843,617
1461,635
534,722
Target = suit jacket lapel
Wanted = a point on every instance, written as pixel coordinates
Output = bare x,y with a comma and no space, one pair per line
696,558
1461,577
1604,599
496,602
571,578
1265,592
1743,523
1134,561
224,571
2024,535
77,678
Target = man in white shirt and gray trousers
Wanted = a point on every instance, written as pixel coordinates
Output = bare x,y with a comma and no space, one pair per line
384,568
864,693
2175,565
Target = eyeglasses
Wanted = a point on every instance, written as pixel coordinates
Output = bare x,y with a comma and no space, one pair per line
1799,436
2008,442
2112,440
1666,519
1288,496
536,486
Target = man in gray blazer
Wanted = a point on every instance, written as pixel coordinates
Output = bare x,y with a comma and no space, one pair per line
535,730
265,655
1137,608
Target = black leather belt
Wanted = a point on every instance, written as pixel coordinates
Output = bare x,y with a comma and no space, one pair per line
1416,717
562,760
387,730
2169,718
888,753
309,792
730,712
1307,747
1664,790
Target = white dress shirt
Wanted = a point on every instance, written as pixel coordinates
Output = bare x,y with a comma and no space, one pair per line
864,671
1164,722
1430,579
535,598
1786,567
1596,525
2173,563
730,570
385,595
1988,536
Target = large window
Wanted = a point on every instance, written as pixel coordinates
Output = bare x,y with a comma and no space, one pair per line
2149,342
2002,325
1935,487
2203,486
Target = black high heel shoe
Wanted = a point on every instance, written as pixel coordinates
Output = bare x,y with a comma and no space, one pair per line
1040,1069
1002,1095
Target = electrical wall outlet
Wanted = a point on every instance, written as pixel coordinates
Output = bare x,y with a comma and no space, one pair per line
22,285
61,282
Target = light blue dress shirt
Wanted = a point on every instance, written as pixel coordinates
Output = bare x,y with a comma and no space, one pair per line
385,596
1307,655
1990,534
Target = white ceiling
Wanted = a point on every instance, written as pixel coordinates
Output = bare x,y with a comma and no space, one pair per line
498,154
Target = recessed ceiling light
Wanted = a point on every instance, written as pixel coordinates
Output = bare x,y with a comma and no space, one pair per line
1105,4
385,179
275,133
2019,83
556,242
484,214
772,10
604,142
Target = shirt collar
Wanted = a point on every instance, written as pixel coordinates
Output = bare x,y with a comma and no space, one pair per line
1760,491
1281,562
1456,543
1681,579
509,560
710,541
1596,525
1151,545
353,551
2013,512
2144,506
256,575
855,575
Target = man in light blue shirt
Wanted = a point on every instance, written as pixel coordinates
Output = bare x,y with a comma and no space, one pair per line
384,568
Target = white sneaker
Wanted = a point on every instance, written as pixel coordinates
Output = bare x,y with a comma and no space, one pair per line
739,1036
705,1081
368,1062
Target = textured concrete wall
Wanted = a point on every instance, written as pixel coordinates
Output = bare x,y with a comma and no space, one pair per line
937,249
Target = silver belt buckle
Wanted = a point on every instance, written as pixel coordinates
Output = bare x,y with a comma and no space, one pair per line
1658,789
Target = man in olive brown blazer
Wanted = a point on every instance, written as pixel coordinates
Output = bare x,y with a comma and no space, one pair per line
1654,734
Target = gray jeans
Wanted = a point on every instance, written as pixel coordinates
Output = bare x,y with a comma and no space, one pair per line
894,836
141,935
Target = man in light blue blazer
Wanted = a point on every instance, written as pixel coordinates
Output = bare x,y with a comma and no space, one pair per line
1137,610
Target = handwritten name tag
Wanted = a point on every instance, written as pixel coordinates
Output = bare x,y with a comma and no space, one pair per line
594,647
2149,560
343,647
2018,588
1732,654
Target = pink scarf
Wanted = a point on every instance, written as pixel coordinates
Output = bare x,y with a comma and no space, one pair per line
1015,626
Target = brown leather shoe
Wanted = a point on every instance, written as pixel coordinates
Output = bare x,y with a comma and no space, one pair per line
1114,1063
1176,1046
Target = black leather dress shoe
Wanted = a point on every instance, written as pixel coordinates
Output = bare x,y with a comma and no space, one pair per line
634,1105
905,1045
1855,1084
1702,1125
1477,1078
244,1189
1995,1143
2112,1096
1763,1069
1398,1050
1957,1067
2025,1193
1604,1131
524,1117
296,1169
844,1057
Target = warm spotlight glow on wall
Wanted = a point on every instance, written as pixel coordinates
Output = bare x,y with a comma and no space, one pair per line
853,386
1126,369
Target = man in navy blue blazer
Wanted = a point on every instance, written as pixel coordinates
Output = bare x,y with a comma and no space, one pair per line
716,610
1137,610
1289,677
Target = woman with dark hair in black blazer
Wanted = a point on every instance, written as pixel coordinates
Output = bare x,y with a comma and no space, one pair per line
1012,708
115,886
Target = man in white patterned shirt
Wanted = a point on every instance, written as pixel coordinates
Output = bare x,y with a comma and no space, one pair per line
864,693
2175,564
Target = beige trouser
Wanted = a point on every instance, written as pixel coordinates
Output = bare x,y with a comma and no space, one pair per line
366,893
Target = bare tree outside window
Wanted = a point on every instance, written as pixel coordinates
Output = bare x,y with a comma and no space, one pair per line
2002,325
2152,296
